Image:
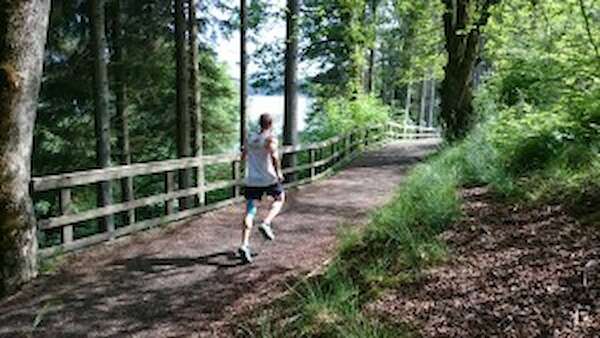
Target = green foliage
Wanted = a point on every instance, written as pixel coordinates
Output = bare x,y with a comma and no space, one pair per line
541,105
411,38
328,307
219,106
339,115
425,204
337,36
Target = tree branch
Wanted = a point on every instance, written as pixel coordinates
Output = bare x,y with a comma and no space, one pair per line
587,28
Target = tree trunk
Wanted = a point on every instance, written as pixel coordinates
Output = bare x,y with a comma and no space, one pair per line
121,105
290,128
195,110
408,103
243,78
184,142
371,70
463,51
23,27
432,102
423,102
101,96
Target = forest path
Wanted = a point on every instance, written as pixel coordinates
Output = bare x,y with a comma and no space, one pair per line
185,280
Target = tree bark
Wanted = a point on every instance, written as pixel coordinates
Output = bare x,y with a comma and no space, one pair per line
195,109
423,102
408,103
243,77
101,97
432,102
123,143
290,128
184,142
371,69
462,46
23,27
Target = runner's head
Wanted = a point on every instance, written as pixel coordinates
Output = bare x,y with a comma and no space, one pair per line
265,121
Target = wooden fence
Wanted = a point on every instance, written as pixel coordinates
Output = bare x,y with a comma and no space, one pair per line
323,157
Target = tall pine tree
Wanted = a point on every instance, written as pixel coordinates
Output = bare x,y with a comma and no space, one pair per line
23,27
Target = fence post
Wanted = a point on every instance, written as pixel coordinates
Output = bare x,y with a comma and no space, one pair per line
333,157
320,157
200,183
169,187
236,173
311,160
128,195
65,209
348,144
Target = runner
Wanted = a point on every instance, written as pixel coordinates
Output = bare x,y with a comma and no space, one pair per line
263,177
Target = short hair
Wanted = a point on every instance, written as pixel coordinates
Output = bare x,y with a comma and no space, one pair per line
265,121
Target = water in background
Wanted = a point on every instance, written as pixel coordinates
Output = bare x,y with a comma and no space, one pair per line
274,105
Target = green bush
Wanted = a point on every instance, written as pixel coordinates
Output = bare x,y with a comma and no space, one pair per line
339,115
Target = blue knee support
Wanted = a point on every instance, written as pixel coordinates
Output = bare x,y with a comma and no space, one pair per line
250,208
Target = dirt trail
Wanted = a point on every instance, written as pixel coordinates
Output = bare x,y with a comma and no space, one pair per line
184,280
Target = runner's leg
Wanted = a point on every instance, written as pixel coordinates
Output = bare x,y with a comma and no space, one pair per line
248,222
275,208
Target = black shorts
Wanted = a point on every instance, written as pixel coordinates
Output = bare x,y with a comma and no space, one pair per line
256,193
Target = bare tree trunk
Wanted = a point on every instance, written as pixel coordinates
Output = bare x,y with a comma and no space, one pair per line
463,51
122,112
432,102
101,96
290,128
408,103
243,77
195,110
371,70
184,142
423,102
23,27
385,89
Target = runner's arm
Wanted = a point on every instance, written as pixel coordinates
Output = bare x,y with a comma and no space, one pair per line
272,147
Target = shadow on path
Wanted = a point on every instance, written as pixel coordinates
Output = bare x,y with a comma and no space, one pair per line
222,260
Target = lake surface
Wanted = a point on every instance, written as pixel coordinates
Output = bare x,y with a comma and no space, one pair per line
274,105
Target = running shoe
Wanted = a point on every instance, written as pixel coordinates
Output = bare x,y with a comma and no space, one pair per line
266,231
245,254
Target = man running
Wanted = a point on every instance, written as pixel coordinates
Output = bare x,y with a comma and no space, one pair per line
263,177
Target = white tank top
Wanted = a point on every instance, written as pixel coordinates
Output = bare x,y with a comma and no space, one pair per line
260,171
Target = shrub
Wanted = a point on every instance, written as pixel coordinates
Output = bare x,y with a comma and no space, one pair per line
338,115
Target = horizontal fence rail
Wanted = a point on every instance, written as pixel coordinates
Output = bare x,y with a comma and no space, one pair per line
322,158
